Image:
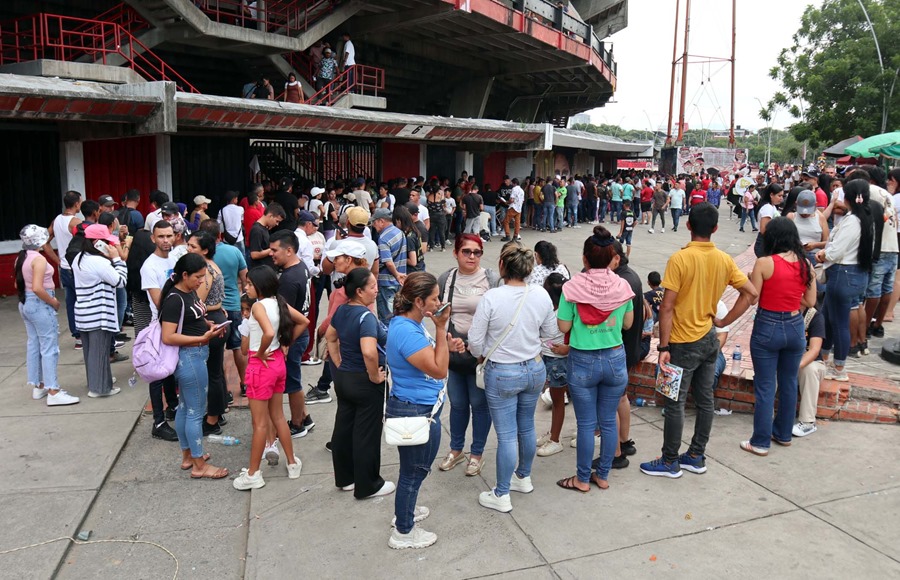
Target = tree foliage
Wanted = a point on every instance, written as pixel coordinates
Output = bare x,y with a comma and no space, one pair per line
831,76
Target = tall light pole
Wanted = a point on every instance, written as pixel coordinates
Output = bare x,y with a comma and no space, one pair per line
768,132
887,95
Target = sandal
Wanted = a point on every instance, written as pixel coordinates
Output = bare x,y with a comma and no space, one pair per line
211,472
186,466
569,483
599,482
762,452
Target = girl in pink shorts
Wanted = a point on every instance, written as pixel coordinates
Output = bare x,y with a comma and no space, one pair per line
272,326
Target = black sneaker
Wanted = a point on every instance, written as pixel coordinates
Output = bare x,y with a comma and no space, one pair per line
505,239
628,447
243,390
328,447
308,422
222,421
316,395
123,337
117,357
229,399
620,462
878,332
164,432
211,429
870,329
297,432
170,414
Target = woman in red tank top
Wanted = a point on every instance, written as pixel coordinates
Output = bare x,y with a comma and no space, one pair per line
785,281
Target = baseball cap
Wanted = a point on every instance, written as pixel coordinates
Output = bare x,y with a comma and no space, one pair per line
316,191
811,173
106,200
357,216
305,217
412,208
359,182
382,213
806,203
100,232
169,208
201,199
346,248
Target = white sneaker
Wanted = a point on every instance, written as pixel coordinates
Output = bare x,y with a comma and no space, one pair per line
803,429
492,501
521,484
662,230
271,454
114,391
386,489
566,398
574,442
294,468
416,538
542,440
550,448
61,398
833,374
420,513
350,487
650,230
38,393
547,399
245,481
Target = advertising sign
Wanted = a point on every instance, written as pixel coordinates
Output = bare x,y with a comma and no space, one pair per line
697,159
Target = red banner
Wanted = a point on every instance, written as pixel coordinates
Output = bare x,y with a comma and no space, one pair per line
633,164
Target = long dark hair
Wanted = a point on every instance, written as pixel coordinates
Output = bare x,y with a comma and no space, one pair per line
547,252
859,188
790,203
20,277
766,196
782,236
355,280
402,219
417,285
265,280
188,264
207,242
87,247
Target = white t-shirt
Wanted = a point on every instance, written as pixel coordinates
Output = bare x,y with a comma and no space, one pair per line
154,273
517,198
423,214
363,199
350,51
386,202
722,312
676,197
897,208
63,234
449,205
768,211
305,252
314,206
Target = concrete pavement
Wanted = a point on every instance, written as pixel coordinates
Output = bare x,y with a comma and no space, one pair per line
826,507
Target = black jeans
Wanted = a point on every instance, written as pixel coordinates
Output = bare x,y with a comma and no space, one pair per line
168,385
215,368
436,232
698,359
356,440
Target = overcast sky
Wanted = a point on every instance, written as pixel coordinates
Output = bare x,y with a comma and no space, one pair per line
643,52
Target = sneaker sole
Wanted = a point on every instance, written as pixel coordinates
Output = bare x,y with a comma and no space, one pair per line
300,435
317,401
496,508
692,469
272,458
50,404
161,438
668,474
403,546
249,487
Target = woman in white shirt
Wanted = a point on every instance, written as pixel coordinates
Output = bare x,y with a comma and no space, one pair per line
546,263
848,258
506,330
771,197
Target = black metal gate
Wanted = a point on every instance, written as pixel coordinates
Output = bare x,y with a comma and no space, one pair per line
316,161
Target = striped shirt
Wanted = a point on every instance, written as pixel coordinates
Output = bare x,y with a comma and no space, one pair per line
391,248
96,280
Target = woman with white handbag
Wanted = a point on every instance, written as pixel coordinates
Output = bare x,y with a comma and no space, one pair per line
418,366
513,374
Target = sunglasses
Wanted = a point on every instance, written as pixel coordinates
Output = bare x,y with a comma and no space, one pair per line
469,253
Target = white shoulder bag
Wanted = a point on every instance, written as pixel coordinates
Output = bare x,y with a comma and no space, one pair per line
479,370
404,431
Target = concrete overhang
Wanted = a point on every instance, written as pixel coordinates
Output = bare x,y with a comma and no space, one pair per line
596,142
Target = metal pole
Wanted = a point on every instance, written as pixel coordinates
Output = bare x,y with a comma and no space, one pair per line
733,44
884,106
672,83
684,69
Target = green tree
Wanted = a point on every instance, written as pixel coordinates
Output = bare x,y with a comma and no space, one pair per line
832,77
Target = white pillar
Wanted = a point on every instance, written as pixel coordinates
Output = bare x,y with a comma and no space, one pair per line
164,164
465,161
71,167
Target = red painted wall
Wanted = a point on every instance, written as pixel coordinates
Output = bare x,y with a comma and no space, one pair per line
399,159
494,169
113,166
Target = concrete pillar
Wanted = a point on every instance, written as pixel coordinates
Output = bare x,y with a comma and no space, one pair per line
423,160
164,164
520,166
465,161
469,99
71,167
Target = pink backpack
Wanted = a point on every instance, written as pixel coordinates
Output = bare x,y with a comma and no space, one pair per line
154,360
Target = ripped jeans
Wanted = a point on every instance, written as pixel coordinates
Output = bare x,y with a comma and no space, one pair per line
193,384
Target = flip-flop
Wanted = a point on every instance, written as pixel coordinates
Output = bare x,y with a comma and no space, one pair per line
217,473
569,483
191,465
596,480
745,445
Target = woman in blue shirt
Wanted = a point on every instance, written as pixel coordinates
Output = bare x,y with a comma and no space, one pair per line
418,369
355,339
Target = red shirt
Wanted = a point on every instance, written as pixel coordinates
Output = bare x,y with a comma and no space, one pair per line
647,194
251,215
705,184
783,291
697,196
821,198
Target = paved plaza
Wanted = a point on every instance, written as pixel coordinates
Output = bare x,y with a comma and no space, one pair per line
826,507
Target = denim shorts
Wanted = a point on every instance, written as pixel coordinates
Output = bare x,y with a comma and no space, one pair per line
233,335
556,371
881,280
626,237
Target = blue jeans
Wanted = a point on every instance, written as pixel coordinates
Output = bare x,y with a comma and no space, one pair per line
751,213
549,217
42,346
559,217
845,285
572,213
720,368
615,211
121,304
538,219
492,210
385,302
676,216
292,382
415,461
67,281
601,210
465,396
193,383
597,381
512,393
776,346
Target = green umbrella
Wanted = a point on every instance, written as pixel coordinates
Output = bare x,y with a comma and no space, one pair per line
887,144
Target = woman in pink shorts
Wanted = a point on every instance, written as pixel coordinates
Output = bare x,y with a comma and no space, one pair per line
272,325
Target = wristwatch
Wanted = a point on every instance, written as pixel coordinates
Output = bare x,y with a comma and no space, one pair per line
662,349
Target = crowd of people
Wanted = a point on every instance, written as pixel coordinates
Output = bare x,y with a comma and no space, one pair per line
253,279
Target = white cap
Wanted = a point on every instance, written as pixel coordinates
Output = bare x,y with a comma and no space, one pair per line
316,191
346,248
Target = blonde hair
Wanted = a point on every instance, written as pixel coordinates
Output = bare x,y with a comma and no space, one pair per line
516,262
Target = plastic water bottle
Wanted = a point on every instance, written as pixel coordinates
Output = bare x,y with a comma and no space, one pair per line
225,439
736,360
644,402
132,382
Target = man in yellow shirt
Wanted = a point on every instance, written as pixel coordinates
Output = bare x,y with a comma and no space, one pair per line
694,280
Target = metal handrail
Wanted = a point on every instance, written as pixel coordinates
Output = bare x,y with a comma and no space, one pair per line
68,38
360,79
289,17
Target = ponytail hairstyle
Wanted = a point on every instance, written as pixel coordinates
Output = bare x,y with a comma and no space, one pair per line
20,277
856,194
265,280
188,264
782,236
553,285
516,262
357,264
356,280
417,285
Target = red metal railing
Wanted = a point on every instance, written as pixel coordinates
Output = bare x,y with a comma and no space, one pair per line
123,15
359,79
65,38
289,17
302,63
